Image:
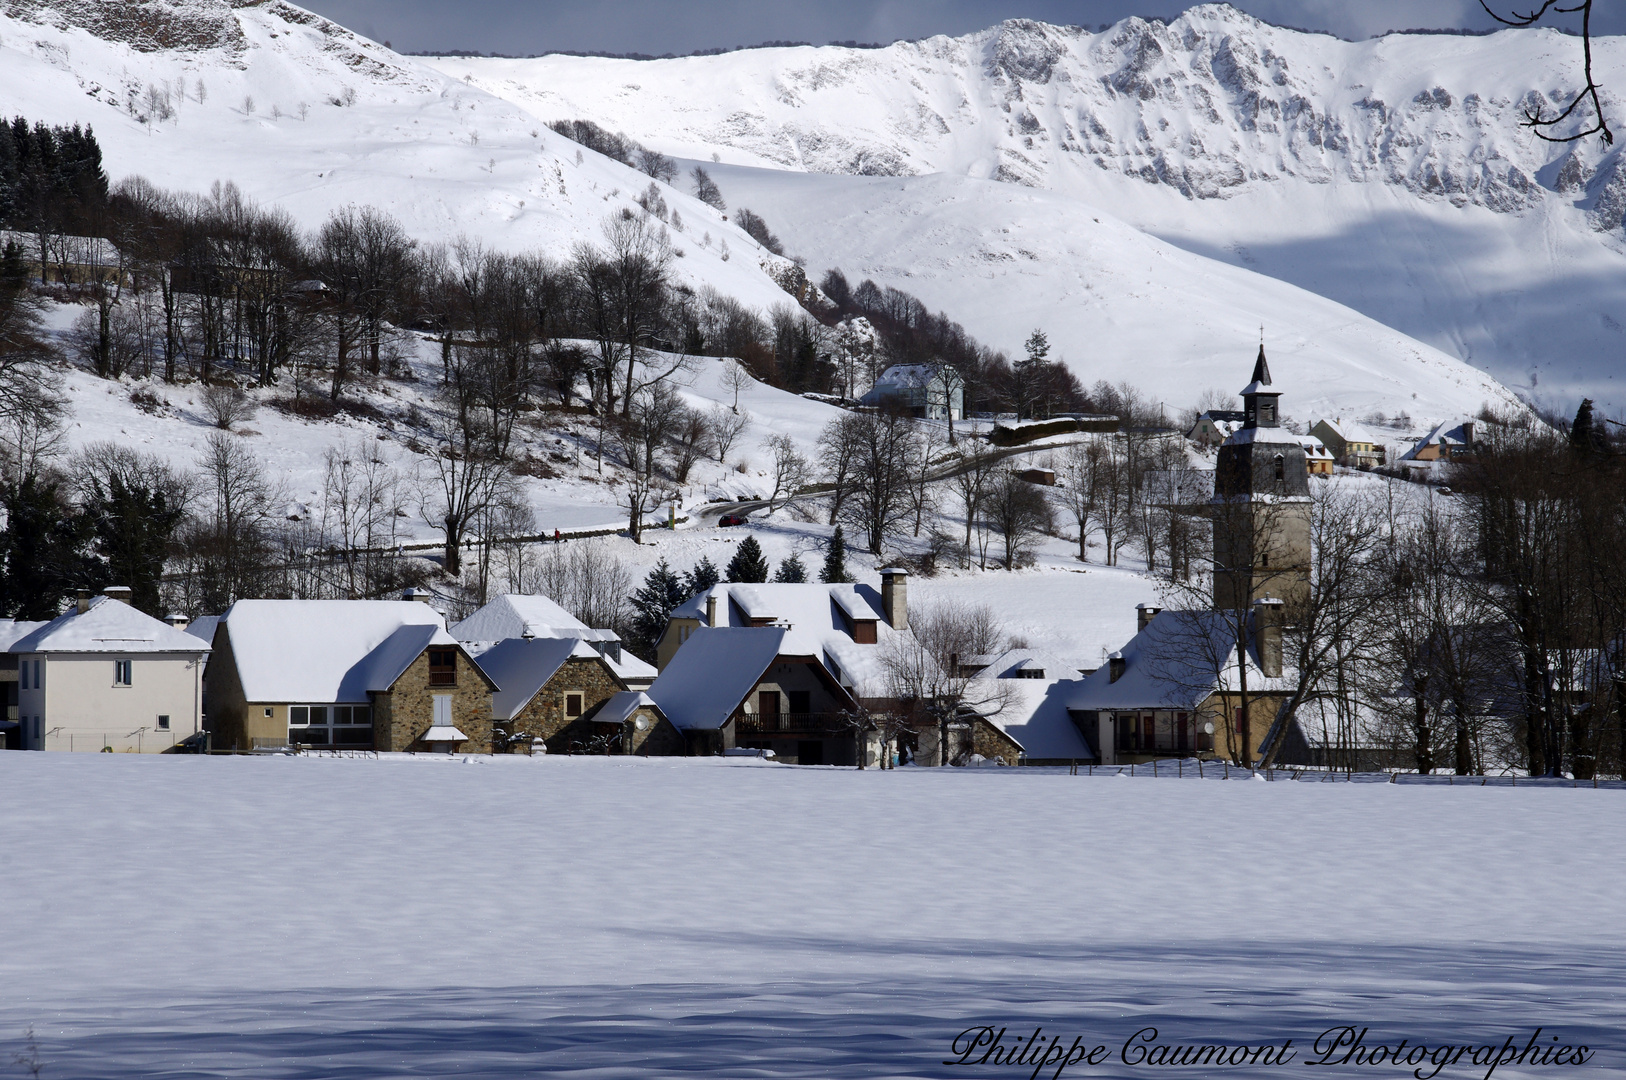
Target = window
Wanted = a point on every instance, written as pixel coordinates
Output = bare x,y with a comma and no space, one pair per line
163,723
801,701
1266,411
573,705
442,667
121,673
1281,467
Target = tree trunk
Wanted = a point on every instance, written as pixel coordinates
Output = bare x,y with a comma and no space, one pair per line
1422,749
453,563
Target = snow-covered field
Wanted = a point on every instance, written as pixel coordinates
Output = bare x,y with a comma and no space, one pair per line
599,917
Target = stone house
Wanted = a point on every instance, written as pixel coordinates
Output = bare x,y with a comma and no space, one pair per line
1447,442
344,674
555,691
104,676
527,616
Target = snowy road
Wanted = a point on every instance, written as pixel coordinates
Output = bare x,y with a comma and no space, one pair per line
427,917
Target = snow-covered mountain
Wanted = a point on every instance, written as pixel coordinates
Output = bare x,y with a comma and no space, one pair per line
1390,175
301,112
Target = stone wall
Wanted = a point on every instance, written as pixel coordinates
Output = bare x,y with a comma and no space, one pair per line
544,715
658,739
991,743
405,712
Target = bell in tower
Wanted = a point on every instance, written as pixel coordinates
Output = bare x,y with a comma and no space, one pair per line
1261,506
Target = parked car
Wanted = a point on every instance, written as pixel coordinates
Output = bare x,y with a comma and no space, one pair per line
732,519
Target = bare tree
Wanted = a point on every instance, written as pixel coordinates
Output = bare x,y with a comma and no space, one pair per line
925,675
1017,510
462,478
361,510
790,470
735,379
881,449
1077,490
726,428
227,405
971,479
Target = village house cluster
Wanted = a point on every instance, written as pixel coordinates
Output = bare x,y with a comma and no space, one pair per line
792,670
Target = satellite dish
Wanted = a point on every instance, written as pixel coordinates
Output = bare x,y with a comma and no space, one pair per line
1208,728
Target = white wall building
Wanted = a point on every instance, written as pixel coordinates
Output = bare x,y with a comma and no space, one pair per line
106,676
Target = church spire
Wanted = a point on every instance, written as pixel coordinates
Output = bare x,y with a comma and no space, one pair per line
1261,370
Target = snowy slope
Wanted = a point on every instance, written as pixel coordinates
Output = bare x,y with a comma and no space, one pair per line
1389,175
584,917
335,119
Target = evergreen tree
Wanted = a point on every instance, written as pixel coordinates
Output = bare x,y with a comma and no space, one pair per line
131,525
748,564
1585,433
791,571
835,560
702,577
43,556
652,606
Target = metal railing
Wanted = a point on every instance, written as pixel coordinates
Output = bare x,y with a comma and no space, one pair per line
754,723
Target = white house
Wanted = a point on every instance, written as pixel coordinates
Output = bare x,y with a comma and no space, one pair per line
929,391
105,676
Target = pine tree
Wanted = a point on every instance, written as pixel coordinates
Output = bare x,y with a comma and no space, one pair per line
791,571
652,607
702,577
835,560
748,563
132,525
1585,434
43,556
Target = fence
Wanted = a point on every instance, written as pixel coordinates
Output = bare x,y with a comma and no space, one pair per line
1195,769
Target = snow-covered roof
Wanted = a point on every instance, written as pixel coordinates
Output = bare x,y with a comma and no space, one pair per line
712,673
618,708
1347,430
515,615
1169,665
203,627
1314,448
444,734
916,375
1265,436
521,667
1035,715
11,630
109,626
815,617
1448,433
327,650
1011,663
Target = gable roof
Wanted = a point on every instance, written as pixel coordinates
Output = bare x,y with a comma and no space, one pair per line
619,707
917,375
1347,430
12,630
1167,666
712,673
1035,716
516,615
521,667
327,650
815,617
108,626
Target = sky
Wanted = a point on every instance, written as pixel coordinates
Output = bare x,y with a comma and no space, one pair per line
521,27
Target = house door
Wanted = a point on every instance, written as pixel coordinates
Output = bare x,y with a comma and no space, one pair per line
768,709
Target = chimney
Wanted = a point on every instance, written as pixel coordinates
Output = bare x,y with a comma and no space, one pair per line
178,621
1468,432
84,601
121,593
1144,614
895,597
416,594
711,608
1115,667
1267,630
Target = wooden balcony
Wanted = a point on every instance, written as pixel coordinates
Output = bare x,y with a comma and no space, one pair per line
789,723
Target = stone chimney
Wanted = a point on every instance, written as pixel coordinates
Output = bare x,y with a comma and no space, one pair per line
1115,667
83,601
1144,614
1267,632
177,620
895,597
121,593
711,608
1468,433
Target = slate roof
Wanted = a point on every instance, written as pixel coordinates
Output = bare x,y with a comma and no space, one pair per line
521,667
710,676
1167,666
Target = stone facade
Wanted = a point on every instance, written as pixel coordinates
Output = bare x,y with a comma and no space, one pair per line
544,715
992,743
657,738
404,713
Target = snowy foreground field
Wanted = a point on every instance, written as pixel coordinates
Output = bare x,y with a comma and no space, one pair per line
253,917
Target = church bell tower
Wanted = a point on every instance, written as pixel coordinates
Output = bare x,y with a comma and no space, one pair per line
1261,506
